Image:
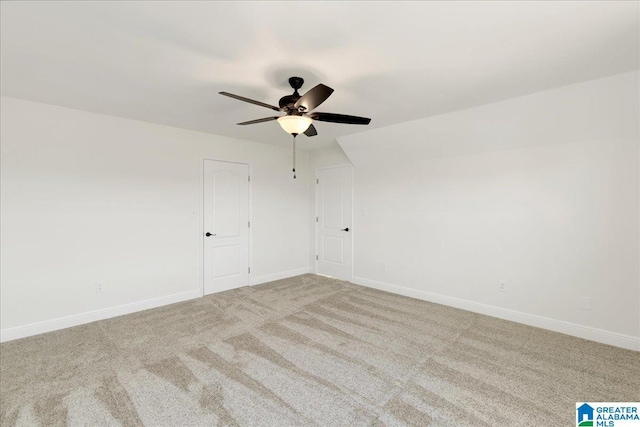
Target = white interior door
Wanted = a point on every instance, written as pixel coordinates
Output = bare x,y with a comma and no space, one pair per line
226,226
334,221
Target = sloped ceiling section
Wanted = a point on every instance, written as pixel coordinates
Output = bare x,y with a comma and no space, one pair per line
604,109
165,62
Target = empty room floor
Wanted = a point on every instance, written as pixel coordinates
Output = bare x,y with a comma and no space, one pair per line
308,350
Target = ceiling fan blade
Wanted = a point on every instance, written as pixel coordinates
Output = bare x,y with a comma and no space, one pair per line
314,97
266,119
311,131
340,118
251,101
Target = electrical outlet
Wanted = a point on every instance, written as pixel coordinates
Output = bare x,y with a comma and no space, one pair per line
502,286
99,287
585,303
383,266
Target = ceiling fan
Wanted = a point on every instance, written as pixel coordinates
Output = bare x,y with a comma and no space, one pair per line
299,117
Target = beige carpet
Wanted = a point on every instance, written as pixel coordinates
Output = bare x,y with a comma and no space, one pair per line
308,351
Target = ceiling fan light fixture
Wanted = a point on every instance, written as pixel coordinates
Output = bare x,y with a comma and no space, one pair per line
295,124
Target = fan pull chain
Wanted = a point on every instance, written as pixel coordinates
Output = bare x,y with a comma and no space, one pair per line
294,156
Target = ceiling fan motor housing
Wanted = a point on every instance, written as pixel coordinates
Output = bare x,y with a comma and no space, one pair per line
287,102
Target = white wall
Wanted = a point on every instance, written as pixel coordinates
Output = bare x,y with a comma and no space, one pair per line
540,191
88,197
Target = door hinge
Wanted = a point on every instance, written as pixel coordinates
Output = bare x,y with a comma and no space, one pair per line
249,224
316,257
249,178
316,219
317,181
249,270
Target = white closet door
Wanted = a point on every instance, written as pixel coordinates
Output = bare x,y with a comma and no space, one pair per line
226,226
334,230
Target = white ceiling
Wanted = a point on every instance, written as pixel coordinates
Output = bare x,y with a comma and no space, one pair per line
165,62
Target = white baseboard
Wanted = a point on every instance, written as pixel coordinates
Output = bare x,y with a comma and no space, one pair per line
278,276
593,334
599,335
10,334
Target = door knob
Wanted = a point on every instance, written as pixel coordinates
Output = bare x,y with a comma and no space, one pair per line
346,229
209,234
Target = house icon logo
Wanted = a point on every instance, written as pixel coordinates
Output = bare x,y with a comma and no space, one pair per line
585,415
